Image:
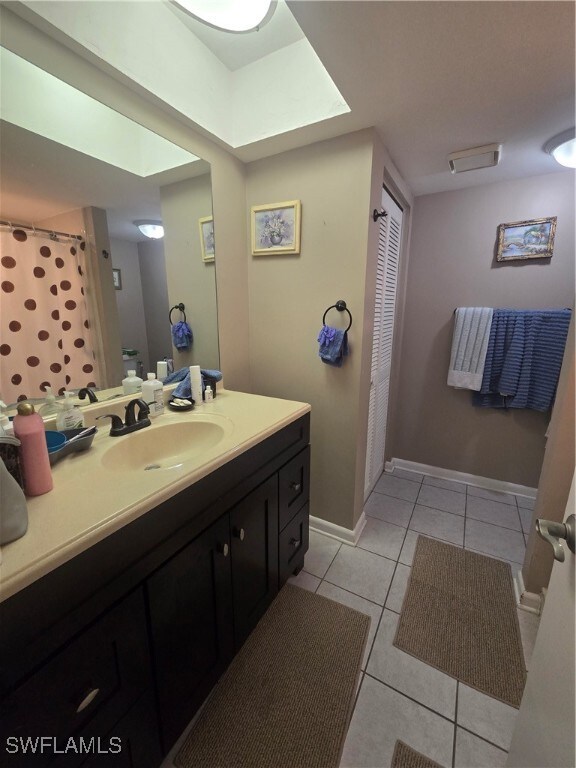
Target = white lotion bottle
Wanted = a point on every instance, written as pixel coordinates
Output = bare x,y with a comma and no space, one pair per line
153,395
196,384
132,384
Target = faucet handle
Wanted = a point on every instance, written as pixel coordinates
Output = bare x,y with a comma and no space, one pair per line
117,426
143,409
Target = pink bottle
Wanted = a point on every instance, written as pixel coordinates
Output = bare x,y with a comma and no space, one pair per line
29,429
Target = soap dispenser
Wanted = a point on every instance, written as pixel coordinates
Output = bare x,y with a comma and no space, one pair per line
50,407
69,417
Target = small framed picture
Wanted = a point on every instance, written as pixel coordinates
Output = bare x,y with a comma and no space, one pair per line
117,279
276,228
206,224
533,239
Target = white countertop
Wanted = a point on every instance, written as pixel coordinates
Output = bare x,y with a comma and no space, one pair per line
91,500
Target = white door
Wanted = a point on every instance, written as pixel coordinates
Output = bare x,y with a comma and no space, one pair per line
544,732
389,243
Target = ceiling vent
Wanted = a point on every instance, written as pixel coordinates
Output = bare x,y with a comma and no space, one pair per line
472,159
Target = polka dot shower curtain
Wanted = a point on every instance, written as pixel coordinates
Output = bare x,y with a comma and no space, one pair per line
45,335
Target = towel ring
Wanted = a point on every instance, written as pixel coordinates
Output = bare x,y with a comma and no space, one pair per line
341,307
181,307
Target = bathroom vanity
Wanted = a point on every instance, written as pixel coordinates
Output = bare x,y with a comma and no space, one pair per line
121,630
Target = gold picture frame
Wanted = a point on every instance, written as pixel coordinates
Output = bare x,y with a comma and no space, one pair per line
276,228
207,242
531,239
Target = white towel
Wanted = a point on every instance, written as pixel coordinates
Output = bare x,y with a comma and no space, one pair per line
469,345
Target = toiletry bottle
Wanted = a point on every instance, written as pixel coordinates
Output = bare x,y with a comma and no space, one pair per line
153,395
6,428
50,407
29,429
14,517
69,417
132,384
208,394
196,384
161,369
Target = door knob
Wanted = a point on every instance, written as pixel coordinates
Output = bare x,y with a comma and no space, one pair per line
223,549
552,533
239,533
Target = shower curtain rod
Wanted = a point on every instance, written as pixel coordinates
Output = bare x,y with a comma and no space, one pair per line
40,229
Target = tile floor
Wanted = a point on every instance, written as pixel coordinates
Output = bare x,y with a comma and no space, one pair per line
400,697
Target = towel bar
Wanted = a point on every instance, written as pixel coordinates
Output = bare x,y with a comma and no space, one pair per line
181,307
341,307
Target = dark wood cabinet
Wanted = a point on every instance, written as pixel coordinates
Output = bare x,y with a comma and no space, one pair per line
81,692
126,640
132,742
254,537
190,609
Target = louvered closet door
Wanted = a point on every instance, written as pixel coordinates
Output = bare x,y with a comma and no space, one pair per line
389,241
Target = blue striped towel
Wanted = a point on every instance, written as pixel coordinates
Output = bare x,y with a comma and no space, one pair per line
523,359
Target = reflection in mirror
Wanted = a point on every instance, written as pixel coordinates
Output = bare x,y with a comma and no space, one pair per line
100,289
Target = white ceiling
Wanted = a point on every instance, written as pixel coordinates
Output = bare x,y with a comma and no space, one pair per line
436,77
236,51
432,77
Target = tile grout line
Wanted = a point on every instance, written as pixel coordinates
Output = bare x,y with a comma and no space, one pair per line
410,698
455,725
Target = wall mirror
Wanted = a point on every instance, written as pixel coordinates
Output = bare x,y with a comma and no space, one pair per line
75,167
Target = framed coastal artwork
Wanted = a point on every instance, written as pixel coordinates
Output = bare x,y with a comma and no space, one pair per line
276,228
532,239
207,244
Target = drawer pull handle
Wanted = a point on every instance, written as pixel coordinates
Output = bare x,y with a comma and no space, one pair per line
295,543
295,486
223,549
240,533
87,700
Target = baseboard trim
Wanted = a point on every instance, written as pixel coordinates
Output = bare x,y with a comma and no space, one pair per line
462,477
527,601
337,531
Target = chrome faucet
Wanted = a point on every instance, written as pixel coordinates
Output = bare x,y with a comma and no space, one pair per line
133,423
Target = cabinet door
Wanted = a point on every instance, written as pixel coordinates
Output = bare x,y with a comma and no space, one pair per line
82,691
132,743
254,528
191,626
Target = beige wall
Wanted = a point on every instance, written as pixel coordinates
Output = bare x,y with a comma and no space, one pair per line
289,294
155,299
124,255
191,281
452,265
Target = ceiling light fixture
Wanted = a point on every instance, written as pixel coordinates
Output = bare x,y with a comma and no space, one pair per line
230,15
472,159
152,229
563,148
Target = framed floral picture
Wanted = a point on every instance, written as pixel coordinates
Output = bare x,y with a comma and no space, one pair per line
206,224
276,228
532,239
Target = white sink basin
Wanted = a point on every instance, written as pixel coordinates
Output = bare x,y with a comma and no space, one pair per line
165,446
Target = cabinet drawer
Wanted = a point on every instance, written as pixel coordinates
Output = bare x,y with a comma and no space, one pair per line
294,486
293,545
84,688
